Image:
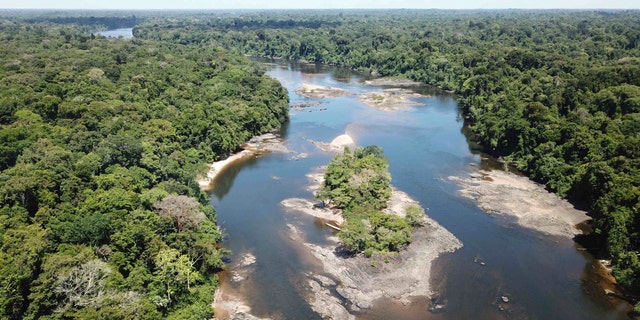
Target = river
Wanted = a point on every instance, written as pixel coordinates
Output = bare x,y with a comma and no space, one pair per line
544,277
126,33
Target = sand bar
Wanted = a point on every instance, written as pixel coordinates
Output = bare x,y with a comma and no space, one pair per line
318,92
506,194
261,144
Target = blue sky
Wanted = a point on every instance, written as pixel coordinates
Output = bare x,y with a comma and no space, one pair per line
312,4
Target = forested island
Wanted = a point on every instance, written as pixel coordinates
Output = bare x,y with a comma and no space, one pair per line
385,243
555,93
101,142
102,139
359,184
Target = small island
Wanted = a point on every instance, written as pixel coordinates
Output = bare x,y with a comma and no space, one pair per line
318,92
390,99
385,242
358,184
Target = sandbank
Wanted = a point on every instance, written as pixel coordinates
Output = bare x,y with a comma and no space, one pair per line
509,195
261,144
336,145
318,92
389,99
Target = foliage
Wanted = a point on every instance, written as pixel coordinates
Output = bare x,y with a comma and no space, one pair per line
415,216
358,179
100,143
359,183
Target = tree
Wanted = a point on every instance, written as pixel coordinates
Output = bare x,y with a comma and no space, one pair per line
415,216
84,285
175,270
183,210
93,134
359,183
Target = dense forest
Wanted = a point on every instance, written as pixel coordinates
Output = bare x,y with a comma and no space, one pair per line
556,93
101,141
359,184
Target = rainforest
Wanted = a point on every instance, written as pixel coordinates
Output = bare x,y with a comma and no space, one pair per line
102,139
101,143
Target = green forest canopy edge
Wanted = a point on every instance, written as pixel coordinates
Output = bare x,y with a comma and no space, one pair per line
97,134
101,143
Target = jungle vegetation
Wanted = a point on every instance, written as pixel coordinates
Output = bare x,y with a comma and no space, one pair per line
358,182
100,138
554,92
101,141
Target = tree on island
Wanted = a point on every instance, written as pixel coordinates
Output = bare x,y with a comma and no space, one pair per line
359,184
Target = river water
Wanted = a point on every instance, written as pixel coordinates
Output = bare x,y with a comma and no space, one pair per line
544,277
126,33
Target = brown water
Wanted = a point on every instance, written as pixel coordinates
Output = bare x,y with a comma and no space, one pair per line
544,277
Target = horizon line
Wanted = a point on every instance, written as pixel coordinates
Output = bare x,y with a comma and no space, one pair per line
335,8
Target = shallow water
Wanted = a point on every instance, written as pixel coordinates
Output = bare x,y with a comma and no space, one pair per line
543,277
125,33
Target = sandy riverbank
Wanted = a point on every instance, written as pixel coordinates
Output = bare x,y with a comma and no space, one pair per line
318,92
512,196
261,144
355,279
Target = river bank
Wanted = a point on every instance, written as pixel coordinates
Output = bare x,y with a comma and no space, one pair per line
261,144
527,203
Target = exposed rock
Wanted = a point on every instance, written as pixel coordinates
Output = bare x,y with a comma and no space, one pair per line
308,207
316,92
389,99
507,194
406,275
325,304
247,260
396,82
299,156
302,105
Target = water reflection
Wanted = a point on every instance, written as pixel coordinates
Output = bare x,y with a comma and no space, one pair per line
125,33
224,180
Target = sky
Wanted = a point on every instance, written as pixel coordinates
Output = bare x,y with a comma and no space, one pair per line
319,4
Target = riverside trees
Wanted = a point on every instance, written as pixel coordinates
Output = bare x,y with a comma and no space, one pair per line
101,141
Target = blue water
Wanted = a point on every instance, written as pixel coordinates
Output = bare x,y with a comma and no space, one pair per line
125,33
545,277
